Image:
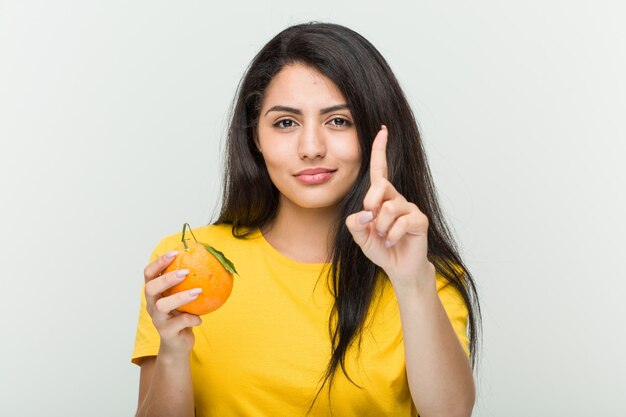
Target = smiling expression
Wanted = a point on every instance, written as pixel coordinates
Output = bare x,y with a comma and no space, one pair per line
308,139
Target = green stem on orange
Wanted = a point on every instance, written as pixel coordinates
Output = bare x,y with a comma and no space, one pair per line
194,236
185,226
228,265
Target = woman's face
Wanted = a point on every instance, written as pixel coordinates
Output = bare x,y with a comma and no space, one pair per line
308,138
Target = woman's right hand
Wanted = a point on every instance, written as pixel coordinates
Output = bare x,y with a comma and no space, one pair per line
174,328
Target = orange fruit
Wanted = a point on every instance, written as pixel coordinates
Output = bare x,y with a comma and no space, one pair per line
208,269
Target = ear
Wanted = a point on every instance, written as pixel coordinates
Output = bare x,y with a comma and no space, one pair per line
255,138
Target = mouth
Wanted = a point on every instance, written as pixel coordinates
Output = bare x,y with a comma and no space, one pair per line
314,171
315,176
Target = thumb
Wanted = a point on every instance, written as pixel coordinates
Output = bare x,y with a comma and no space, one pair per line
358,225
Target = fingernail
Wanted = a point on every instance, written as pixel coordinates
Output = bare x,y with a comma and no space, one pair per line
182,272
387,244
383,127
171,254
194,292
366,217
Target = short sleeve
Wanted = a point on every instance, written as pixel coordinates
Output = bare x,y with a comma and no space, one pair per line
456,310
147,338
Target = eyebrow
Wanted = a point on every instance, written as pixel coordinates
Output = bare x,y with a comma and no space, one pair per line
298,111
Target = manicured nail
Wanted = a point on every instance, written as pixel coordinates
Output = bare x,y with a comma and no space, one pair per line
182,272
194,292
366,217
383,127
388,244
171,254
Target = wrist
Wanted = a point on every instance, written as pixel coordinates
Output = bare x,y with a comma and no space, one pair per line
417,286
416,293
168,357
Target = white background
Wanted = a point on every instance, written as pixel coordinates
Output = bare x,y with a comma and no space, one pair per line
112,119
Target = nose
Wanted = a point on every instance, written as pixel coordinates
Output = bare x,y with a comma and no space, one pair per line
311,143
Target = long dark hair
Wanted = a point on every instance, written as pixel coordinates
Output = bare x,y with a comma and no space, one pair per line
250,200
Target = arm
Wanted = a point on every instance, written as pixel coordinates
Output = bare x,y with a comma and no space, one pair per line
438,370
393,233
165,386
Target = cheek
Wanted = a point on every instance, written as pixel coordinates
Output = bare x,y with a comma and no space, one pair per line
275,156
350,153
275,162
351,160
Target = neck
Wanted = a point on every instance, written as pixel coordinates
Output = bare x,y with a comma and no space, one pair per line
302,234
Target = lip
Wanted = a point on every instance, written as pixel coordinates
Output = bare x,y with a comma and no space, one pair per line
315,176
314,171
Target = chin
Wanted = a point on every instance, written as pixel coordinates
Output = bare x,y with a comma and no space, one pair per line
317,205
313,203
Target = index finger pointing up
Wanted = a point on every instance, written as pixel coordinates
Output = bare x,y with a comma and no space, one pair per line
378,161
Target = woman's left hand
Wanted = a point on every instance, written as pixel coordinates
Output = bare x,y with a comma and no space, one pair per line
391,231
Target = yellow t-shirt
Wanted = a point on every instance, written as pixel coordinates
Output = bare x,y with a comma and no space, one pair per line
265,351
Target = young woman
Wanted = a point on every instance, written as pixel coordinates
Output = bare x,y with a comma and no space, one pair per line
351,298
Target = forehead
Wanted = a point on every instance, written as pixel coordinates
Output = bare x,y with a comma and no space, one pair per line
302,86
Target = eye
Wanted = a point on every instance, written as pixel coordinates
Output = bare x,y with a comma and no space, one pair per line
340,122
284,124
